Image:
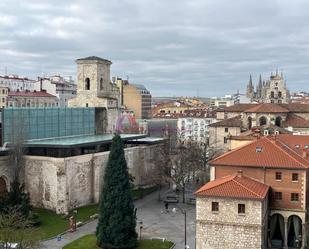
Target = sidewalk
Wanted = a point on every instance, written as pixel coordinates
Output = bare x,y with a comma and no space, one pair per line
91,226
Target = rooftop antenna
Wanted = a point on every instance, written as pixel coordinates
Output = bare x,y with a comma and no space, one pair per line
128,78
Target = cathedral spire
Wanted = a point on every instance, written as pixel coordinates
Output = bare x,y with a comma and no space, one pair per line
250,88
250,81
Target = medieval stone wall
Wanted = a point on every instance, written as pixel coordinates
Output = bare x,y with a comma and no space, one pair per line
228,229
61,184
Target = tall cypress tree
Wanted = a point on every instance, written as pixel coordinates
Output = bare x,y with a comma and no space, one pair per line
117,219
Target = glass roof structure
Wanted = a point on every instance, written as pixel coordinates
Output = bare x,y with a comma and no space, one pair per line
79,141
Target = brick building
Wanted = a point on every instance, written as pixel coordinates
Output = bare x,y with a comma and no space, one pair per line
282,163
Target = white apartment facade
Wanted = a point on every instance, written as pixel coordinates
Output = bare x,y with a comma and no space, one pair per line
194,128
15,83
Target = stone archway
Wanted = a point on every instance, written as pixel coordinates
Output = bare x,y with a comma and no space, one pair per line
249,123
263,120
276,231
3,186
294,231
278,121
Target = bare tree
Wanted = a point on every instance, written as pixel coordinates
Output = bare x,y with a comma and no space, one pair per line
14,229
186,162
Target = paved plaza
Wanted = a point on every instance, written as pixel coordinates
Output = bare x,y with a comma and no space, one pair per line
156,223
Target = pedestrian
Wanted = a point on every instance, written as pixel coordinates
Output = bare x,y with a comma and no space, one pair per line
166,206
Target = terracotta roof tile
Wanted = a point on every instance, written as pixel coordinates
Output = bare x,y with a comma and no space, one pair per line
234,186
238,107
267,108
230,122
296,121
296,107
30,94
264,152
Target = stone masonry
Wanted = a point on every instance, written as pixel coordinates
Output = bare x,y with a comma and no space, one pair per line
61,184
228,229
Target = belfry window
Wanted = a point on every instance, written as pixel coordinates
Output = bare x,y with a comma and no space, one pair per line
87,84
101,84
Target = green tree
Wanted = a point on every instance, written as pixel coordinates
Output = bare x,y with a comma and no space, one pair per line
117,217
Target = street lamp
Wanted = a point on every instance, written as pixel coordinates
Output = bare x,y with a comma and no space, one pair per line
140,229
183,211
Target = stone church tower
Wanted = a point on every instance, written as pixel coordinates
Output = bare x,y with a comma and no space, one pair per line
273,90
95,89
250,88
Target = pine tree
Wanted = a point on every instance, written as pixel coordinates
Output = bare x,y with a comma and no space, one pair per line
117,218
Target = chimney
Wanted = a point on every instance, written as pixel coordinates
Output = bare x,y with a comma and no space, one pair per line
239,173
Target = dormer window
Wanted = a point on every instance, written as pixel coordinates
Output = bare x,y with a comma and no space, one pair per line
258,149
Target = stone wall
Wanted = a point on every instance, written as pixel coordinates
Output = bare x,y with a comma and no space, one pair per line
61,184
6,172
228,229
217,135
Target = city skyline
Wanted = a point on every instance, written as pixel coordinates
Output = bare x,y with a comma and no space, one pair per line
179,48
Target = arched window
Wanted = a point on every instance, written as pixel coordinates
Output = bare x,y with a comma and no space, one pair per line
279,94
263,121
249,123
278,121
101,84
272,94
87,84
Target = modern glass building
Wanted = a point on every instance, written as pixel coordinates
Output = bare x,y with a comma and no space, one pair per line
38,123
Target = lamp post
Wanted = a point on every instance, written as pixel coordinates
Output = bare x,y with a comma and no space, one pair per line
140,229
183,211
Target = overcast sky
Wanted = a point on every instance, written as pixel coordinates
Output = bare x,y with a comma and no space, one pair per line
173,47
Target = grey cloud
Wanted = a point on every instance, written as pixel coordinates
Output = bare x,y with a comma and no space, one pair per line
175,47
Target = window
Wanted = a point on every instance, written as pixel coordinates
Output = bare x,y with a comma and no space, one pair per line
101,84
295,177
278,176
225,140
87,84
215,206
278,196
241,208
272,94
294,197
263,120
226,129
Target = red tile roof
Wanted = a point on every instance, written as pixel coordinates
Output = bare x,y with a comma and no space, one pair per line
264,152
237,107
299,143
30,94
292,107
267,108
296,121
296,107
230,122
234,186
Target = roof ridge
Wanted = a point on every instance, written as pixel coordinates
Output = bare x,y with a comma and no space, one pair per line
289,155
245,186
